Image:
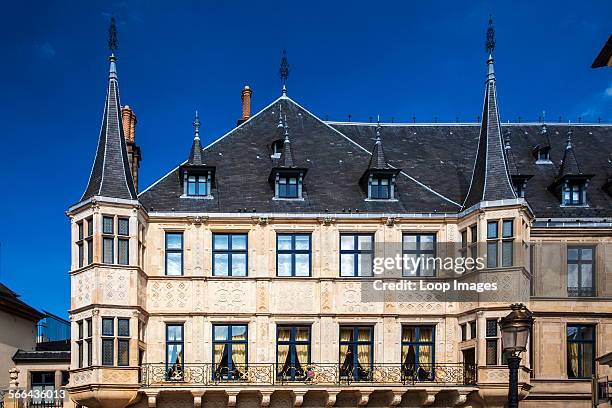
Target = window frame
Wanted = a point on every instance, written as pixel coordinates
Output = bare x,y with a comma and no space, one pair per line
416,344
174,251
581,341
123,338
230,252
354,344
378,187
180,342
292,343
499,242
287,185
197,183
107,338
229,342
356,252
568,189
418,251
293,252
580,291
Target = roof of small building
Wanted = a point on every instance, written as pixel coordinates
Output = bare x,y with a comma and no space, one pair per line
10,302
50,351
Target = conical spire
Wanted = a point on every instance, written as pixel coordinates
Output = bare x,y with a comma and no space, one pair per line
110,175
569,165
378,161
490,178
195,155
286,159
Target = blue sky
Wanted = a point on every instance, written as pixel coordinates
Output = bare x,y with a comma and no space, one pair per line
396,59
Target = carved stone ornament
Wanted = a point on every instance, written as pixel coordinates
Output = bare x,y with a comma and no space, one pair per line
198,219
390,221
261,220
327,220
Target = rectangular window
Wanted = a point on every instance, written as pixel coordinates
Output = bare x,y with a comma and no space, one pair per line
230,255
108,250
418,353
580,271
108,328
81,254
380,188
356,352
89,226
108,341
123,249
89,251
356,254
230,351
419,250
580,351
491,341
88,342
293,254
573,194
495,242
123,352
124,226
492,236
80,343
108,225
174,352
463,331
473,329
42,385
197,185
174,253
293,352
288,187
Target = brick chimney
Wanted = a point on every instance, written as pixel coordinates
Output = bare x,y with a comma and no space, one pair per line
246,104
128,119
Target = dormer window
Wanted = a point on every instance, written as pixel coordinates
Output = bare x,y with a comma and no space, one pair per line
277,149
380,187
287,187
574,193
288,184
542,154
197,185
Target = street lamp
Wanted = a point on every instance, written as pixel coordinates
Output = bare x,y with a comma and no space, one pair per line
515,330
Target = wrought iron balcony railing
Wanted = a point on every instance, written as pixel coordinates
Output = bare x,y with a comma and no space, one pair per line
314,374
580,292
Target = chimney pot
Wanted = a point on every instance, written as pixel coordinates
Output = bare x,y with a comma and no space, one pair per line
246,103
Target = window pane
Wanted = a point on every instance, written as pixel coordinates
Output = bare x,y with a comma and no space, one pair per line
347,242
221,264
474,231
174,354
364,242
107,225
239,241
492,255
507,228
80,226
491,352
124,226
410,242
123,251
220,241
491,329
239,333
239,262
107,352
221,333
302,242
572,254
123,349
89,251
284,265
427,242
410,264
81,255
284,242
107,255
302,264
174,263
123,327
364,265
586,254
191,187
89,227
347,265
507,253
492,230
174,240
572,275
80,329
108,326
586,276
175,332
89,327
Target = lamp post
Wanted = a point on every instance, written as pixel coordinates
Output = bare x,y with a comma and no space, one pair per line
515,328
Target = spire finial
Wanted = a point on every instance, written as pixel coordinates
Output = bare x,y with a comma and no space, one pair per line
113,43
196,125
568,144
286,126
378,129
284,71
280,116
490,43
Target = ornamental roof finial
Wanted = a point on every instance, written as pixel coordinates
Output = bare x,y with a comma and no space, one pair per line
113,42
284,71
490,43
196,125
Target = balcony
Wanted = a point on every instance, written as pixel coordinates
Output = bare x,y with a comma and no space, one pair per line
580,291
308,375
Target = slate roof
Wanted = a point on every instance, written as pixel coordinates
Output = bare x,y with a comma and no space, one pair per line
110,175
569,164
10,303
378,161
50,351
